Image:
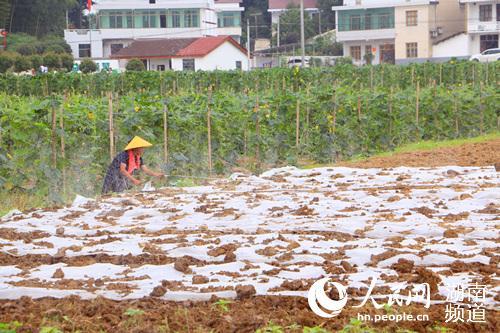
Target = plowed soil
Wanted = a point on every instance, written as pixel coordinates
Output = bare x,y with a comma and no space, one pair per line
470,154
291,313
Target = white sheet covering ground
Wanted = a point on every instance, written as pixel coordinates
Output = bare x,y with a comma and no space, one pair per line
287,224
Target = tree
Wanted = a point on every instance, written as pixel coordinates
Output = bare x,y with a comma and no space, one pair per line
290,26
21,63
135,65
6,61
39,17
88,66
52,60
36,61
4,13
327,14
67,61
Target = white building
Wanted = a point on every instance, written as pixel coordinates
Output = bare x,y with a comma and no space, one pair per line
117,23
397,31
202,53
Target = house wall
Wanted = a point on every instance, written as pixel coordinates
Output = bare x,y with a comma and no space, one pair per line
222,58
458,46
375,44
419,34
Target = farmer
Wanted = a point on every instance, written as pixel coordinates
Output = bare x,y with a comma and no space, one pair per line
121,172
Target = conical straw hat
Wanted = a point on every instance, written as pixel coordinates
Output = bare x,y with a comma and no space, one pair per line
137,142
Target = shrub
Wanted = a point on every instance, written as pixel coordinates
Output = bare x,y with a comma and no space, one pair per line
88,66
343,61
25,49
55,48
52,60
36,61
21,63
67,61
6,61
135,65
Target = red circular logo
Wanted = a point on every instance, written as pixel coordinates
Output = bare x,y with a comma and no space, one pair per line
4,33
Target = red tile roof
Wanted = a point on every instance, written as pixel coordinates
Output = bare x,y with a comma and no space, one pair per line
228,1
283,4
174,47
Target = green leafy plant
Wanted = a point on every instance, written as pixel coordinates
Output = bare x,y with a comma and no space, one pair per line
222,305
270,328
88,66
10,327
135,65
22,63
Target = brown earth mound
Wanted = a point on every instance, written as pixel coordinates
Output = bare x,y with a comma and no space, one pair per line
470,154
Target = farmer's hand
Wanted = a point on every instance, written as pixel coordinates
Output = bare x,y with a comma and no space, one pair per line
136,181
161,175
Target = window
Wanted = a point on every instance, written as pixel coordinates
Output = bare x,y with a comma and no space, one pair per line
161,68
485,12
411,50
384,21
368,21
488,42
191,18
355,22
152,2
84,50
356,52
188,64
163,21
116,47
498,13
229,19
238,64
175,17
411,18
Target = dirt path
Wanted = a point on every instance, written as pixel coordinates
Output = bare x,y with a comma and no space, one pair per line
470,154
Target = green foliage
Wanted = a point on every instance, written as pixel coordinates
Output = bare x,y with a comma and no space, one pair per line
50,329
52,60
36,61
88,66
26,49
343,61
222,305
22,63
330,125
133,312
10,327
270,328
357,326
6,61
290,26
67,61
135,65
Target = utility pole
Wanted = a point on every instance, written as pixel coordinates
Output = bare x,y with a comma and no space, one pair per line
248,43
278,37
302,37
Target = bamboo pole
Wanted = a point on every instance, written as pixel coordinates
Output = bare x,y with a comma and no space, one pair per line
455,108
257,124
63,146
334,120
359,108
111,127
417,107
209,130
390,111
371,77
297,126
165,133
440,74
481,108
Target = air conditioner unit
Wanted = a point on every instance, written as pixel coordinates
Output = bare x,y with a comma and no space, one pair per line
440,30
434,33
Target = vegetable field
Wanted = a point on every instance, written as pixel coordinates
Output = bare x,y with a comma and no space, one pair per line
59,131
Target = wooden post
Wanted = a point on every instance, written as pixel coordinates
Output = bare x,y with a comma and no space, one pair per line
359,108
390,112
481,109
412,75
334,110
165,133
440,73
417,106
63,146
297,126
257,124
473,74
111,127
209,130
371,77
455,108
